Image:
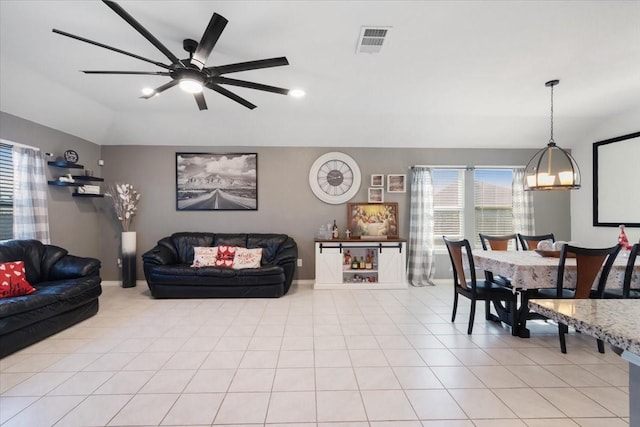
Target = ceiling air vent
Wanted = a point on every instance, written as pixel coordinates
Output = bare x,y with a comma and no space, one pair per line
371,39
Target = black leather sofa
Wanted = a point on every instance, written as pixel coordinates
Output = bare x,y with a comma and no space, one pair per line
67,291
167,267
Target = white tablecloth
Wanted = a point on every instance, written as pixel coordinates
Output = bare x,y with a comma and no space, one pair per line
529,270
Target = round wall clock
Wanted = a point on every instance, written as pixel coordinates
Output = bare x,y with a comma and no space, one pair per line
334,178
71,156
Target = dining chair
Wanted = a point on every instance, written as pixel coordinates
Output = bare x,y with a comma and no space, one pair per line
498,243
530,243
626,291
589,262
476,290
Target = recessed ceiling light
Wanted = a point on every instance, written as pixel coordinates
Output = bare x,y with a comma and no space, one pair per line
146,91
297,93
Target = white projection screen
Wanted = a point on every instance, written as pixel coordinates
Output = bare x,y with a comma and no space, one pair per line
616,181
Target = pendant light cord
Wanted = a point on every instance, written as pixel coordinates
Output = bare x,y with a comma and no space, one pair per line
551,141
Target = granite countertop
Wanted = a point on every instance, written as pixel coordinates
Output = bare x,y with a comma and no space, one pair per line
616,321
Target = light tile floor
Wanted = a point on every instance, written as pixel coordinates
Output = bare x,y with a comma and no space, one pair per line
312,359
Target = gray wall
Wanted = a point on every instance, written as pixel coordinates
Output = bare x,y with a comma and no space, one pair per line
285,201
286,204
583,231
73,221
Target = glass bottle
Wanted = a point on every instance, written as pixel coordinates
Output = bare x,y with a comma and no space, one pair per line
362,263
347,258
368,263
334,232
354,264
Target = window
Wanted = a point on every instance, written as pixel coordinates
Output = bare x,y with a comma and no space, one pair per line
6,192
492,211
448,204
493,202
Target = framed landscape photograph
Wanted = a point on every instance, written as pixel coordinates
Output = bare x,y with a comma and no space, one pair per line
396,183
376,194
210,181
377,180
373,220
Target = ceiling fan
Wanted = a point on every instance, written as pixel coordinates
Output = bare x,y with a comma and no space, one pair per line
191,73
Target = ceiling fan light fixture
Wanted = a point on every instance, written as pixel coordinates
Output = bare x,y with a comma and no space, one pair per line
190,74
297,93
147,91
191,85
552,168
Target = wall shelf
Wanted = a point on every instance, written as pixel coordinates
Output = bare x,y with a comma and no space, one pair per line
64,184
79,180
86,178
86,195
63,164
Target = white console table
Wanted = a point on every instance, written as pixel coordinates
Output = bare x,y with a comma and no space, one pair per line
388,265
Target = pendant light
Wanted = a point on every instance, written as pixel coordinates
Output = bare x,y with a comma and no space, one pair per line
552,168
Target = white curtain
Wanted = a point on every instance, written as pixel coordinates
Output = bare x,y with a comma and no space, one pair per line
523,221
30,212
421,266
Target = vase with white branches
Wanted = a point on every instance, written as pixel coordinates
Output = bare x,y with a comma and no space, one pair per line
124,198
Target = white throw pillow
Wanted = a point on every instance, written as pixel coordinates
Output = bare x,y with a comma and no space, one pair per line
204,256
247,258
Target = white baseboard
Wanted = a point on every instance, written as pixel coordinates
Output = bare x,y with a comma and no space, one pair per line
300,283
305,283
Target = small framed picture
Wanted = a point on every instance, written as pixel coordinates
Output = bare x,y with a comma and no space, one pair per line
396,183
376,194
377,180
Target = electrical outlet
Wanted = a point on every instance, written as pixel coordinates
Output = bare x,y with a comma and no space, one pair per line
299,262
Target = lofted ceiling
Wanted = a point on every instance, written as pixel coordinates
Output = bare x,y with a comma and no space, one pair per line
450,74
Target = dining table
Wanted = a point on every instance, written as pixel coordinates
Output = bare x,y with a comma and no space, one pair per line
615,321
529,271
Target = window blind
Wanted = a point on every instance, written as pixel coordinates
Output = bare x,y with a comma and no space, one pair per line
448,204
6,192
493,202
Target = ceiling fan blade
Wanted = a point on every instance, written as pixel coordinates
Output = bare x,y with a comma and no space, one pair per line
139,28
208,41
250,65
230,95
162,88
250,85
202,104
150,73
133,55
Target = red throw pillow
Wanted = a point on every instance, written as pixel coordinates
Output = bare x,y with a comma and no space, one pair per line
225,256
13,280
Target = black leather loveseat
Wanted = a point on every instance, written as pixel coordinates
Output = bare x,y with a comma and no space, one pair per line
67,290
167,267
